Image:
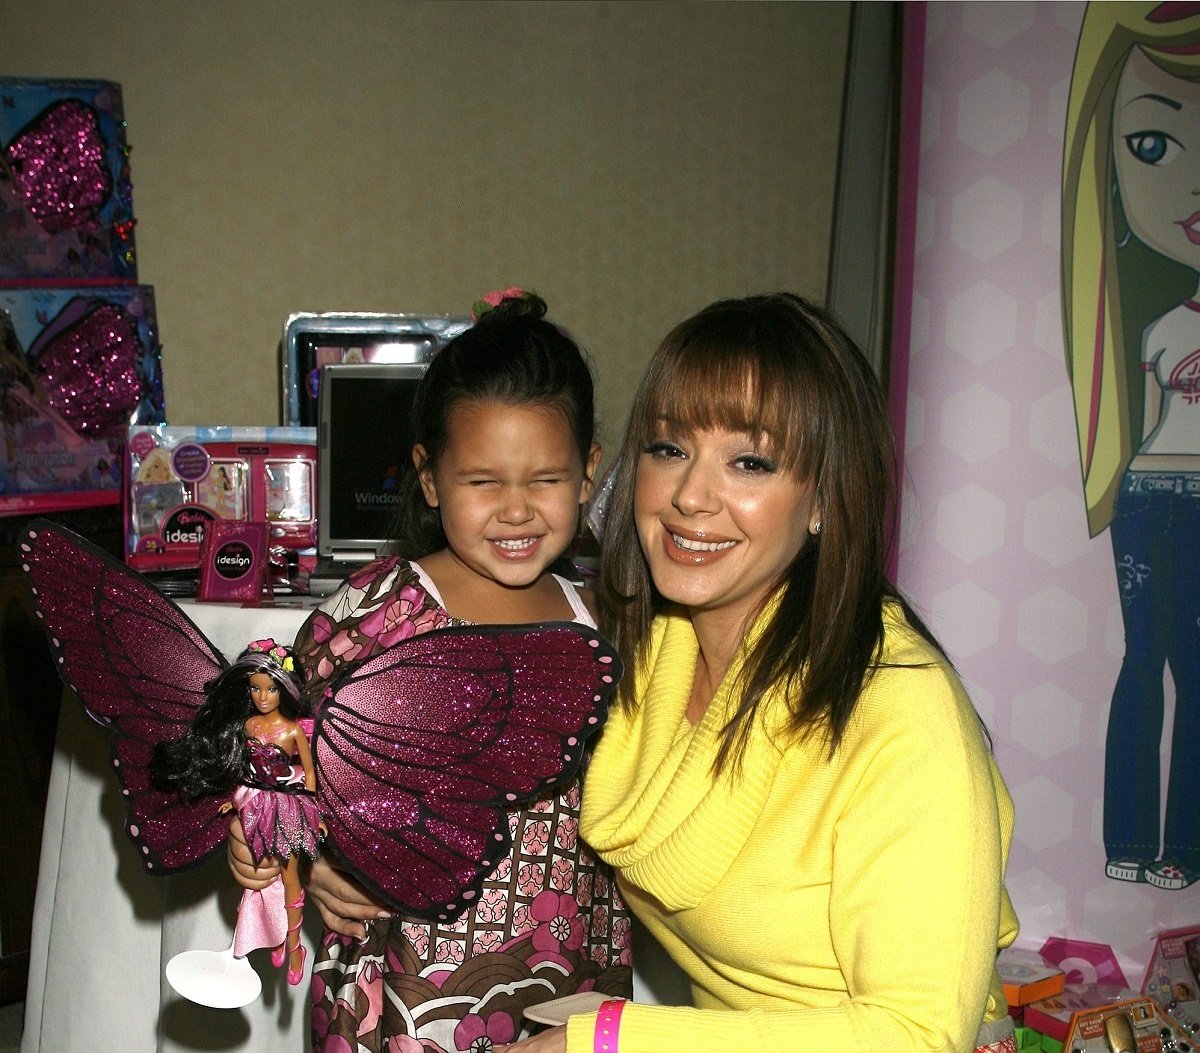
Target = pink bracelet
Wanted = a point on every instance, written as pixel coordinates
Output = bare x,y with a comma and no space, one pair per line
608,1022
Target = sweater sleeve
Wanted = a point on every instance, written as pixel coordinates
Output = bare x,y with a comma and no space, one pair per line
919,821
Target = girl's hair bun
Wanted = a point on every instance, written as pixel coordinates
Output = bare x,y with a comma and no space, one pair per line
513,302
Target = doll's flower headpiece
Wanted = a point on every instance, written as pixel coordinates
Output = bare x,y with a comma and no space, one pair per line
275,652
494,299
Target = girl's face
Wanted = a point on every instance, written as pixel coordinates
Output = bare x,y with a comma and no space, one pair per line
508,487
1156,152
719,521
264,692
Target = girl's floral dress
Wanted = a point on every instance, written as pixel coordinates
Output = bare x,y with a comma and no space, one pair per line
549,921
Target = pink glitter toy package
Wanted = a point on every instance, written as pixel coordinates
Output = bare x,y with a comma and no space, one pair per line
78,366
184,479
66,201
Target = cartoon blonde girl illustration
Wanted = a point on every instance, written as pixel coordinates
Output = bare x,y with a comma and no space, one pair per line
1131,309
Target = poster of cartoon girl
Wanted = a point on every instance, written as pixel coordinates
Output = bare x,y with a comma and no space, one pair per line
1131,311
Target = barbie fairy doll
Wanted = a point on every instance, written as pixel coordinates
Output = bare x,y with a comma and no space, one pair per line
245,740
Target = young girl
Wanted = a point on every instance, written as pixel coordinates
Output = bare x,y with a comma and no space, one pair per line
502,458
245,741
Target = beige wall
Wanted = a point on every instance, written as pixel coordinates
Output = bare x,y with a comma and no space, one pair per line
630,161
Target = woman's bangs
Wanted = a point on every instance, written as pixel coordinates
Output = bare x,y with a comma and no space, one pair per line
706,387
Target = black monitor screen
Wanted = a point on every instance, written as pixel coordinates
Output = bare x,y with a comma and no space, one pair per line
364,442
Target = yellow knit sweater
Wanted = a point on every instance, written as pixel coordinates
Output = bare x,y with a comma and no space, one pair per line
817,905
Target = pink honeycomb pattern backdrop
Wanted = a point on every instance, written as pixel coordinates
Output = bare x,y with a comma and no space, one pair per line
994,544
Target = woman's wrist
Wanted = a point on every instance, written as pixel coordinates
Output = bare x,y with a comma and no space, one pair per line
608,1025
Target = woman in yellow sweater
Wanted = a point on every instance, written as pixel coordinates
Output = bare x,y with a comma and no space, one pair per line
796,792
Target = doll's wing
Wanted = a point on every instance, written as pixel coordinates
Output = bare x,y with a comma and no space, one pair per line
139,666
422,750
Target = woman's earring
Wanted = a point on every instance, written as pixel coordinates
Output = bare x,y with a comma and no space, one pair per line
816,527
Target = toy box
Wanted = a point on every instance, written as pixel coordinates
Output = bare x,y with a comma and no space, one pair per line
180,479
233,562
66,202
1083,961
311,341
1054,1016
77,368
1124,1022
1027,977
1173,976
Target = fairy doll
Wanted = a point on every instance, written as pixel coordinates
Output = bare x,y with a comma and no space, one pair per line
246,741
1131,309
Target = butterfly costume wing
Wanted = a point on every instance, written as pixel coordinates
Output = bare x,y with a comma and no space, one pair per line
423,750
420,752
139,666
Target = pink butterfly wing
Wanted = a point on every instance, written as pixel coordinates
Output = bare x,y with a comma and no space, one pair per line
139,666
422,751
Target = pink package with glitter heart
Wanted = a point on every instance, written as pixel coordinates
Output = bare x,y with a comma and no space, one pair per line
66,204
79,366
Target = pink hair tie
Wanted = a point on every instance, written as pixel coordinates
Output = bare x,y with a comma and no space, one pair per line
608,1023
494,299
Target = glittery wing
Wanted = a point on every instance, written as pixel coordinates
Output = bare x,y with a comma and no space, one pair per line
86,364
57,165
422,750
139,665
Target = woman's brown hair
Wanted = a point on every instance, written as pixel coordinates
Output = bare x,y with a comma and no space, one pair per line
779,367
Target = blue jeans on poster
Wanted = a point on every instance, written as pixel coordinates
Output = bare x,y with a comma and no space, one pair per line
1155,537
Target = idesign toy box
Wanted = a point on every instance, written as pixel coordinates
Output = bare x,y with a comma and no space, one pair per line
181,479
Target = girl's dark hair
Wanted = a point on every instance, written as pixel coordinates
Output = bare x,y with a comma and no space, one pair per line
511,355
781,367
208,757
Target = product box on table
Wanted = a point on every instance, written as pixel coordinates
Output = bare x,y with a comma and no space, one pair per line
1101,1018
180,479
78,367
66,200
1173,976
1026,976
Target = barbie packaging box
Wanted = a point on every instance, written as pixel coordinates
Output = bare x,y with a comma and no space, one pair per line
78,366
66,201
181,480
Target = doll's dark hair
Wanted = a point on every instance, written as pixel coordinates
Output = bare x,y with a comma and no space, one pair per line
511,355
209,757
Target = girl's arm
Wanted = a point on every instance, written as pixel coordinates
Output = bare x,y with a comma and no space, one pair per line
241,862
344,904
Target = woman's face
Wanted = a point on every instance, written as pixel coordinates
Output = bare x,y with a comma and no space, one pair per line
1156,151
719,521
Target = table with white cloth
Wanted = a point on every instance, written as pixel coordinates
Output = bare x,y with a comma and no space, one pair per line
104,929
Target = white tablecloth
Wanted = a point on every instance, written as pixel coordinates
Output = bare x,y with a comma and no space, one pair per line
103,929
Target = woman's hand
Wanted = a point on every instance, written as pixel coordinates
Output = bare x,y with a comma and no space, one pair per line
553,1040
241,862
344,904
